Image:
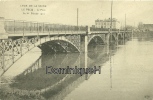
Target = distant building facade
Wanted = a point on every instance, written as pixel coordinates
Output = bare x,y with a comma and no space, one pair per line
147,27
107,23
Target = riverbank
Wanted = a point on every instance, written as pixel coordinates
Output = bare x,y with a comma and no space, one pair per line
22,64
16,69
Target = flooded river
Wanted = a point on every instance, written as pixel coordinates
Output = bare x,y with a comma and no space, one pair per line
126,74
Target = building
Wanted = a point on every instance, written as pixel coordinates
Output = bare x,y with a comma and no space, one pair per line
147,27
107,23
93,26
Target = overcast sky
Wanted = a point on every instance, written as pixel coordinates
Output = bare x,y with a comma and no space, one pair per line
65,12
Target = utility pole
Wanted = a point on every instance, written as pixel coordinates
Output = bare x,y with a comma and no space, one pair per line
125,21
110,51
125,26
124,30
111,15
77,17
111,22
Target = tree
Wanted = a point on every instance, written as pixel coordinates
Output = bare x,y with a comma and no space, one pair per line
140,25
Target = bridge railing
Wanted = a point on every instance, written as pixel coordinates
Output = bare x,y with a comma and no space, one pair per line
13,26
102,29
98,29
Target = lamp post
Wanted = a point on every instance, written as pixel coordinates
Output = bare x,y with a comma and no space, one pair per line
77,19
111,21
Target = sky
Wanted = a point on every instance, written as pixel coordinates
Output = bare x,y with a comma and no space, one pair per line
65,12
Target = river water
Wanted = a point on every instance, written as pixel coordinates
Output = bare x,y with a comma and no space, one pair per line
126,73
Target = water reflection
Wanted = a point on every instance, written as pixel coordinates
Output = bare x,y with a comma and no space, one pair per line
75,80
126,76
35,82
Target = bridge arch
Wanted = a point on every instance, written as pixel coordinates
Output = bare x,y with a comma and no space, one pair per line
96,39
119,36
55,42
31,43
111,38
58,46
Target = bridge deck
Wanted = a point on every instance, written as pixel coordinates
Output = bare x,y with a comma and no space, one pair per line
46,33
58,33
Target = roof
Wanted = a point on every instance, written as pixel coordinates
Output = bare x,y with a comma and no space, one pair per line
106,20
148,25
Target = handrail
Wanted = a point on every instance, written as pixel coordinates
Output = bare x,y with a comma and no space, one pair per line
18,26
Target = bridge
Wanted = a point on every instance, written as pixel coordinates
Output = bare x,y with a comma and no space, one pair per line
18,37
